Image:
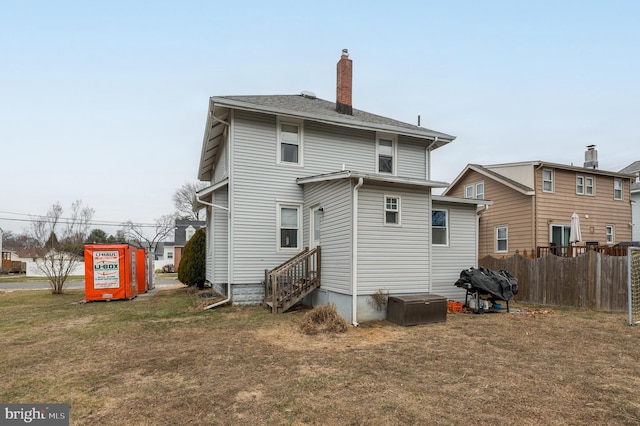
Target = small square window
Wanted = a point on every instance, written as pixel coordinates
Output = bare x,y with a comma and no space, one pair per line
392,211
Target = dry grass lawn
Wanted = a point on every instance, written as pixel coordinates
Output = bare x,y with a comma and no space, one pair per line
159,361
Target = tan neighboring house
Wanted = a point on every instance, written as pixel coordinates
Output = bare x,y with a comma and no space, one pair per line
533,203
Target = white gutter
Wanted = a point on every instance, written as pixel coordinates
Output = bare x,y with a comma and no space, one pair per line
354,254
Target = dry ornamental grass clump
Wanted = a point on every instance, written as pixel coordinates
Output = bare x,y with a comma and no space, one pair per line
323,319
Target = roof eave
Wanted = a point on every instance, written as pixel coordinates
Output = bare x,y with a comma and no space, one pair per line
441,139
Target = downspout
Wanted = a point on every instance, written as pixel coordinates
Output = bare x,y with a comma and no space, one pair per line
227,209
534,209
354,254
429,158
206,203
479,214
428,177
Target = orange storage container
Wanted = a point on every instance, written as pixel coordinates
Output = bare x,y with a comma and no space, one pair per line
110,271
144,268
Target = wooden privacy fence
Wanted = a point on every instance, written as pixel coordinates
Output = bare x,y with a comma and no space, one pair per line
592,280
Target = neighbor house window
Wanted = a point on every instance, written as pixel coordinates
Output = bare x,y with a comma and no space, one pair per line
617,189
391,210
468,191
547,180
386,154
580,185
189,232
439,227
610,234
502,235
288,226
589,185
480,190
169,255
289,142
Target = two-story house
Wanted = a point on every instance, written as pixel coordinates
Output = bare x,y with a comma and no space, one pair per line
533,203
287,172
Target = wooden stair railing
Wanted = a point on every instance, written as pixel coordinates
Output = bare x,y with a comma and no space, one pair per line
286,284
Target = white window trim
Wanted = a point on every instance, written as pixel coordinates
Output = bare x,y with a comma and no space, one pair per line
447,226
606,234
476,190
506,227
614,189
289,204
384,213
552,180
300,124
394,162
577,185
593,186
466,191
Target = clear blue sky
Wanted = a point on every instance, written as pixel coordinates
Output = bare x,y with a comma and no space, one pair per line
106,102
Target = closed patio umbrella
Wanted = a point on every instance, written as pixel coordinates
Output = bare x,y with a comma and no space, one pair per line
575,235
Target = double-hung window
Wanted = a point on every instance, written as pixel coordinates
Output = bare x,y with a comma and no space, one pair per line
547,180
289,141
589,185
289,226
580,185
439,227
480,190
617,189
386,154
609,234
391,210
502,237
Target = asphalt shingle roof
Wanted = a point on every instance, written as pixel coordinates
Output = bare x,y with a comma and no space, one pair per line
319,108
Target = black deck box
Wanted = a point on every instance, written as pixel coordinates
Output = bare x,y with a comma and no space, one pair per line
417,309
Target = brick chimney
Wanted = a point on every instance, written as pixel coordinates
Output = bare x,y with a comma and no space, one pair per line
343,92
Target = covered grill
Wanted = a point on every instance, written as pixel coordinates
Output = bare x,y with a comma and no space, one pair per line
485,284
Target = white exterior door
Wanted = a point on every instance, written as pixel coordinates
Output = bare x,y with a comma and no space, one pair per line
315,226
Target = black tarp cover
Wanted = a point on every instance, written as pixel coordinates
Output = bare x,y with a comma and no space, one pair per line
499,284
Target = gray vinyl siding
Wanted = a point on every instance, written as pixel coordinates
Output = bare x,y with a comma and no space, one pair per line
258,184
335,231
219,230
411,158
393,258
327,148
459,254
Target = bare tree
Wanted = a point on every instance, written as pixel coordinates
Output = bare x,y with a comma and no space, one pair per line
59,241
184,199
150,236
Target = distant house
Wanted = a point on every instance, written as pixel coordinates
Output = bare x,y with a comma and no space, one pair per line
634,168
183,231
533,203
289,172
